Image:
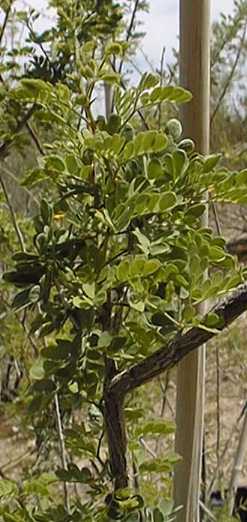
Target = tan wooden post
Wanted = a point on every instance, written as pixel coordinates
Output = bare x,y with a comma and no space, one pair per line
194,75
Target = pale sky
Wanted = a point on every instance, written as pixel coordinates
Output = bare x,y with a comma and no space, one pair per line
160,25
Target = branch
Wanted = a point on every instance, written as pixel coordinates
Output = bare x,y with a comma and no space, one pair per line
129,30
13,216
29,128
7,13
238,247
22,123
168,356
163,359
35,139
230,77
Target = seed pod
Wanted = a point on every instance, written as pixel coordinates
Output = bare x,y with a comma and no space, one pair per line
174,128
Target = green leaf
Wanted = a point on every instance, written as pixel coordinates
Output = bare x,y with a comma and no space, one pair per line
196,210
139,306
33,177
89,289
55,163
136,266
39,485
148,81
155,427
157,515
111,77
72,164
8,488
62,350
144,242
147,142
46,212
167,200
211,162
212,320
154,169
151,266
180,163
159,465
21,300
115,48
123,270
74,474
171,94
37,371
217,254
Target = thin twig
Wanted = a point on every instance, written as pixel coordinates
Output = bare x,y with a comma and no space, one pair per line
224,452
22,123
29,337
129,30
98,457
149,63
145,125
29,128
7,13
13,216
147,448
62,448
207,511
13,463
14,177
164,389
35,138
161,81
216,218
230,77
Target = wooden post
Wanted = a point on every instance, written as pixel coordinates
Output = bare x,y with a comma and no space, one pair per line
195,76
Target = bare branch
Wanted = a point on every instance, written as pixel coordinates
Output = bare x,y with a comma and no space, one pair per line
7,13
230,77
129,30
35,138
238,247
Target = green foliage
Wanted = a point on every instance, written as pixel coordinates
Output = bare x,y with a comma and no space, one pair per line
114,261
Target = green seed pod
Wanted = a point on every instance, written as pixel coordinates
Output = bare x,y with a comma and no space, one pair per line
113,124
87,157
128,132
174,128
187,145
101,123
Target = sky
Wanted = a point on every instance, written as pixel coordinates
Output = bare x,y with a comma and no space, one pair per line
160,26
